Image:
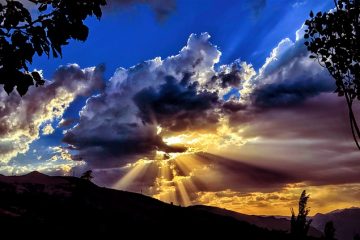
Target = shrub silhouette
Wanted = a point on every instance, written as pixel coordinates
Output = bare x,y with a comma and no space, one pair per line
329,231
333,38
22,36
299,224
87,175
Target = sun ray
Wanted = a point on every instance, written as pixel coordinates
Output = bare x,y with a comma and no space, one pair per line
175,178
183,193
137,170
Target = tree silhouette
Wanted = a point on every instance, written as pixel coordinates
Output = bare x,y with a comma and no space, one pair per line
299,224
87,175
329,231
22,35
333,38
357,237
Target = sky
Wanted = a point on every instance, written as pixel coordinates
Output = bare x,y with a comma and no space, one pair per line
192,102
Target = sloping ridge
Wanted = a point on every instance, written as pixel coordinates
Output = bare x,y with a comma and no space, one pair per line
76,206
268,222
346,222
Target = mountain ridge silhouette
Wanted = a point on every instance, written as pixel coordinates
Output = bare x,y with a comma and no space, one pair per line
42,205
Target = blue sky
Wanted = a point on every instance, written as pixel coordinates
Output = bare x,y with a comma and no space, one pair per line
129,36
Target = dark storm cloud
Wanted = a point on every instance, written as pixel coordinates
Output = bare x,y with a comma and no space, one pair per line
176,105
121,124
229,76
185,93
233,106
289,77
241,176
290,91
114,150
311,141
162,8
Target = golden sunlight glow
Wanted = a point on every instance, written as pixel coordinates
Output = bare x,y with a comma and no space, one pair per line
280,202
175,140
158,130
180,178
174,180
137,169
212,140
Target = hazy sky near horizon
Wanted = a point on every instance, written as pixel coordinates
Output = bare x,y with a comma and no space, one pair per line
192,102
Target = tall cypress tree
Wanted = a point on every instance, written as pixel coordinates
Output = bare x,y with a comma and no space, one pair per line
300,224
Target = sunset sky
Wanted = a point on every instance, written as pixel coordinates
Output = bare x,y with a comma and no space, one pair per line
193,102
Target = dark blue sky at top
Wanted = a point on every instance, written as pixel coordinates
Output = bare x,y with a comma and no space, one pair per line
241,29
248,30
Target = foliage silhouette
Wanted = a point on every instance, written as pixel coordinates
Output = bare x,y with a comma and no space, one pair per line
22,35
87,175
357,237
299,224
329,231
333,38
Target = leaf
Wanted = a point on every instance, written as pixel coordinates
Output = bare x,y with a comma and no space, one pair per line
21,37
37,77
24,84
8,87
42,7
311,14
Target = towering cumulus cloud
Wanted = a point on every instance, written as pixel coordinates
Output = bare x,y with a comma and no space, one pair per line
179,93
22,118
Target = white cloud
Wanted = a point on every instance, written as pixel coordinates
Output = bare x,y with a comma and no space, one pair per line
47,129
22,118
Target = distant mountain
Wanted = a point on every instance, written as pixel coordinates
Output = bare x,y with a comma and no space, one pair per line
267,222
346,222
38,205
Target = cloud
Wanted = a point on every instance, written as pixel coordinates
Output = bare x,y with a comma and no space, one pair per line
115,127
231,76
241,176
178,103
48,129
22,118
294,120
323,199
177,106
288,77
66,122
177,94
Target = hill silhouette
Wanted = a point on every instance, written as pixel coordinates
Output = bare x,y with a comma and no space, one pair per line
346,222
36,204
267,222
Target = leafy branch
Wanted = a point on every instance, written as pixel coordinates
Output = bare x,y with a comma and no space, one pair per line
21,36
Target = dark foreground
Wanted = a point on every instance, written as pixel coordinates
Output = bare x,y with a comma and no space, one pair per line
54,207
